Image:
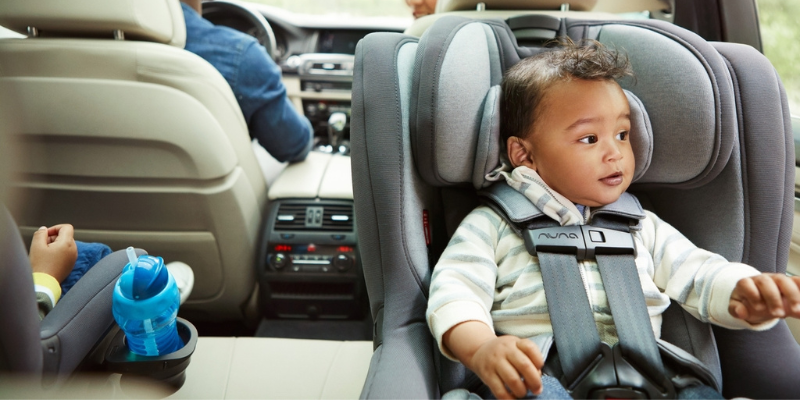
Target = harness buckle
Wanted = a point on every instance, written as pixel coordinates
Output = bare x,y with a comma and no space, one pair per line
584,241
612,376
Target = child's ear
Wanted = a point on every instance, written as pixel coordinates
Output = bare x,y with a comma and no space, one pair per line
518,154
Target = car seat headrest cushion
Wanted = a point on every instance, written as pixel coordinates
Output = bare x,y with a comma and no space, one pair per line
687,88
683,138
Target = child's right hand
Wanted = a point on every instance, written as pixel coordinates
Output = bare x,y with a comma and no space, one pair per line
508,363
53,251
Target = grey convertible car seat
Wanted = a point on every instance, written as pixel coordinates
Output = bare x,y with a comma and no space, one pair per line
53,348
424,136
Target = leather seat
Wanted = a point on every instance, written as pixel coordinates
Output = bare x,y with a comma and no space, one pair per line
133,140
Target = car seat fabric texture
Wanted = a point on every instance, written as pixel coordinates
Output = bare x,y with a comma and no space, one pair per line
419,110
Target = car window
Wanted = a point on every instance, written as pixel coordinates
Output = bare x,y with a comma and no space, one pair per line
779,21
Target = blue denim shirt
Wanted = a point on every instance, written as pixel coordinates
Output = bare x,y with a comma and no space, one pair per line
256,83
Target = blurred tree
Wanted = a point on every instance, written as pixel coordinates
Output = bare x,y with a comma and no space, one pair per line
780,38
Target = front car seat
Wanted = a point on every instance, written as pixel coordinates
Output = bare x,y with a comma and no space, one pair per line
134,141
721,172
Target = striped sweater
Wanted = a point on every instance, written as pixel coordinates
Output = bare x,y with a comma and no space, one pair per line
486,274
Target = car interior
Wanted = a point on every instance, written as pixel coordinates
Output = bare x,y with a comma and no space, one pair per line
311,278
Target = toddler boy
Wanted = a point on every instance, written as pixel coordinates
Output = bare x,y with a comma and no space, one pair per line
565,122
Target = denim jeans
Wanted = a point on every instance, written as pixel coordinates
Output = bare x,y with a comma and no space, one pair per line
88,255
552,389
256,83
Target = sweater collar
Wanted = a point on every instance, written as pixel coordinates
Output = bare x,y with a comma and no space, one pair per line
551,203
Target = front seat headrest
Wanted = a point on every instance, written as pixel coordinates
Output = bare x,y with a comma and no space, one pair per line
159,21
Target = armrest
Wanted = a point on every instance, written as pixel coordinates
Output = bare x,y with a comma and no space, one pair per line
82,317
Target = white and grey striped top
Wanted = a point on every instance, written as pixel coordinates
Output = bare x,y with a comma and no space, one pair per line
485,273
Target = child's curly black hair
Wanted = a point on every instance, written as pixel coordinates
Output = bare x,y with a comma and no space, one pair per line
525,84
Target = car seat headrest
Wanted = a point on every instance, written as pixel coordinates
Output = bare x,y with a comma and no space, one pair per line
682,111
158,21
461,5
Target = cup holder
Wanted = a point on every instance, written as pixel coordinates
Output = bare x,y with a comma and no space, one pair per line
169,369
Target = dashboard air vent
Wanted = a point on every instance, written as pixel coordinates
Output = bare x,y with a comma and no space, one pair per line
314,217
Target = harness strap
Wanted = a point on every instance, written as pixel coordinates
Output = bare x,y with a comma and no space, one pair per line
630,314
570,314
608,240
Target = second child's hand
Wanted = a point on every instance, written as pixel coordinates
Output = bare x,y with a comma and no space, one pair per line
53,251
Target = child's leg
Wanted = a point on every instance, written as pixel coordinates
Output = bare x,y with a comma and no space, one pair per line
551,389
698,392
88,255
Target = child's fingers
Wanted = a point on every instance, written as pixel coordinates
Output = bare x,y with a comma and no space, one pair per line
532,351
531,377
512,379
66,232
770,294
748,294
498,388
39,237
738,309
790,294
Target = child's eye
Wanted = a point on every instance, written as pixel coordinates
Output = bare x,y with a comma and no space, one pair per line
622,135
588,139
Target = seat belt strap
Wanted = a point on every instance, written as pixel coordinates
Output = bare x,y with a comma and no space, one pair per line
570,313
629,310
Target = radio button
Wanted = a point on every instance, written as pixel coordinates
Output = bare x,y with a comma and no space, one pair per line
279,261
342,262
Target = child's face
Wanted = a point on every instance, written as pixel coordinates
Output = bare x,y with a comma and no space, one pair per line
580,145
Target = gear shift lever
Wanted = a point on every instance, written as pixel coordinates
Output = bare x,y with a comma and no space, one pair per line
336,123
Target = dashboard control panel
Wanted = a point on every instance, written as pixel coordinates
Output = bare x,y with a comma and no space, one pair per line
311,258
310,266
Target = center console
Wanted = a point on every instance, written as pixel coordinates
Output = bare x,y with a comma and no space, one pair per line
310,266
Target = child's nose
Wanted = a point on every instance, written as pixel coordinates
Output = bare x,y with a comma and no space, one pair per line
613,152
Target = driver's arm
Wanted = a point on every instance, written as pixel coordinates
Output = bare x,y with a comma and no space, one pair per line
269,114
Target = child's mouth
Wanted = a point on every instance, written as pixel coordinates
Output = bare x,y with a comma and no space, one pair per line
613,179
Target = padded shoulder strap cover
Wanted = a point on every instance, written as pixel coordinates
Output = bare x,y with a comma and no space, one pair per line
517,209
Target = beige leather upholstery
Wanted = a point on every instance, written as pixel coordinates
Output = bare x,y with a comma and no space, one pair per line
158,21
270,368
465,5
136,143
231,368
321,175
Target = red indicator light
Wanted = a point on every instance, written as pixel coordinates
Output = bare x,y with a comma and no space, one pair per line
345,249
283,247
312,248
